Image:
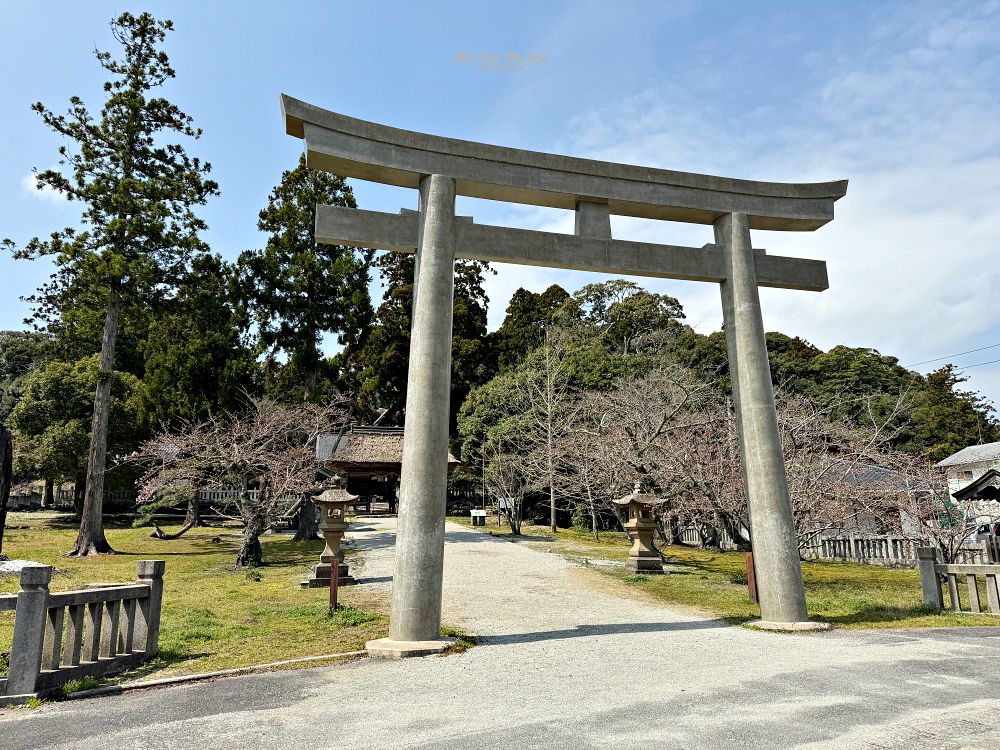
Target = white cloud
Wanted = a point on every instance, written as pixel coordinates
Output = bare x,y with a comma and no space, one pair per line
31,187
911,117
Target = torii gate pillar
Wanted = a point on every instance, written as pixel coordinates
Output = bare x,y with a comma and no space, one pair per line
415,617
772,528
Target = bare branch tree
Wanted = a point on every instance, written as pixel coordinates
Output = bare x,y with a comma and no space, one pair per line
265,452
507,477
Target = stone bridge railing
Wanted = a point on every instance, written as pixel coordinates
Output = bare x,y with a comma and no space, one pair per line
58,637
933,574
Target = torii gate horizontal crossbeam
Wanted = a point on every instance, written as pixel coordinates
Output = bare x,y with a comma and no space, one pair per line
336,225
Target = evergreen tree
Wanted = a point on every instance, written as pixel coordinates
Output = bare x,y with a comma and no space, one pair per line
523,329
385,358
386,355
299,289
195,360
52,418
140,231
626,315
947,419
21,352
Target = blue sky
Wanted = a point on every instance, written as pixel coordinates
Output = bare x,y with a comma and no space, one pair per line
902,99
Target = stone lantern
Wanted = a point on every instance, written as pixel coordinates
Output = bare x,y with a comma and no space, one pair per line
333,503
643,557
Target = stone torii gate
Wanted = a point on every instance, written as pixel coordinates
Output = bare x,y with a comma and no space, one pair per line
440,168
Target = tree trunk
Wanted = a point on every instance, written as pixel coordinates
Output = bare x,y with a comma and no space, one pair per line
514,517
673,529
90,540
48,496
709,537
78,486
308,522
593,514
191,519
250,554
552,489
6,477
732,527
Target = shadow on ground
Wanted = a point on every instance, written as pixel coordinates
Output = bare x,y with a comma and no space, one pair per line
585,631
374,579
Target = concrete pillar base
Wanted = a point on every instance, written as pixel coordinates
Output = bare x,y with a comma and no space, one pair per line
788,627
387,648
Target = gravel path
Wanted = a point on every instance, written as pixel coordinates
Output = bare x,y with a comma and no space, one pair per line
567,664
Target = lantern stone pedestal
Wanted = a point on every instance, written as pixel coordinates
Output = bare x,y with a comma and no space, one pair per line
643,557
334,504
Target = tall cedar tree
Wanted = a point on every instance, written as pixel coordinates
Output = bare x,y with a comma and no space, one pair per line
523,330
385,358
298,289
140,232
948,419
196,362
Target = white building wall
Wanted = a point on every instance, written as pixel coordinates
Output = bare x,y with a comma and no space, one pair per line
962,475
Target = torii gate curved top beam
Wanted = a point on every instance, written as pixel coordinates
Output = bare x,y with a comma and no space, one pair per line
370,151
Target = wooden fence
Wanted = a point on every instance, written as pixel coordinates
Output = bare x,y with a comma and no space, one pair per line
872,550
933,574
64,498
58,637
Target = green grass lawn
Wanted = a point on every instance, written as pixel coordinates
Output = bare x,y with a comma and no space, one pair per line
213,617
847,595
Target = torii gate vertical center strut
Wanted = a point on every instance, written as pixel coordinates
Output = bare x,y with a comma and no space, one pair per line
441,168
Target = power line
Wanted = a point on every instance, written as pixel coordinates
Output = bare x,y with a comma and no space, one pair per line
966,367
949,356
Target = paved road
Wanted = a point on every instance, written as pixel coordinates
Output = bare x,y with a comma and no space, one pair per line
565,664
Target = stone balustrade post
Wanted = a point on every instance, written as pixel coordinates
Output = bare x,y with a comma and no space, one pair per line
29,629
929,581
147,637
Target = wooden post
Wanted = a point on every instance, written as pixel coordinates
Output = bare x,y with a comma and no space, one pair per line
751,578
334,580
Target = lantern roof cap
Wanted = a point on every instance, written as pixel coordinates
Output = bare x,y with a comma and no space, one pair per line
640,498
336,495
